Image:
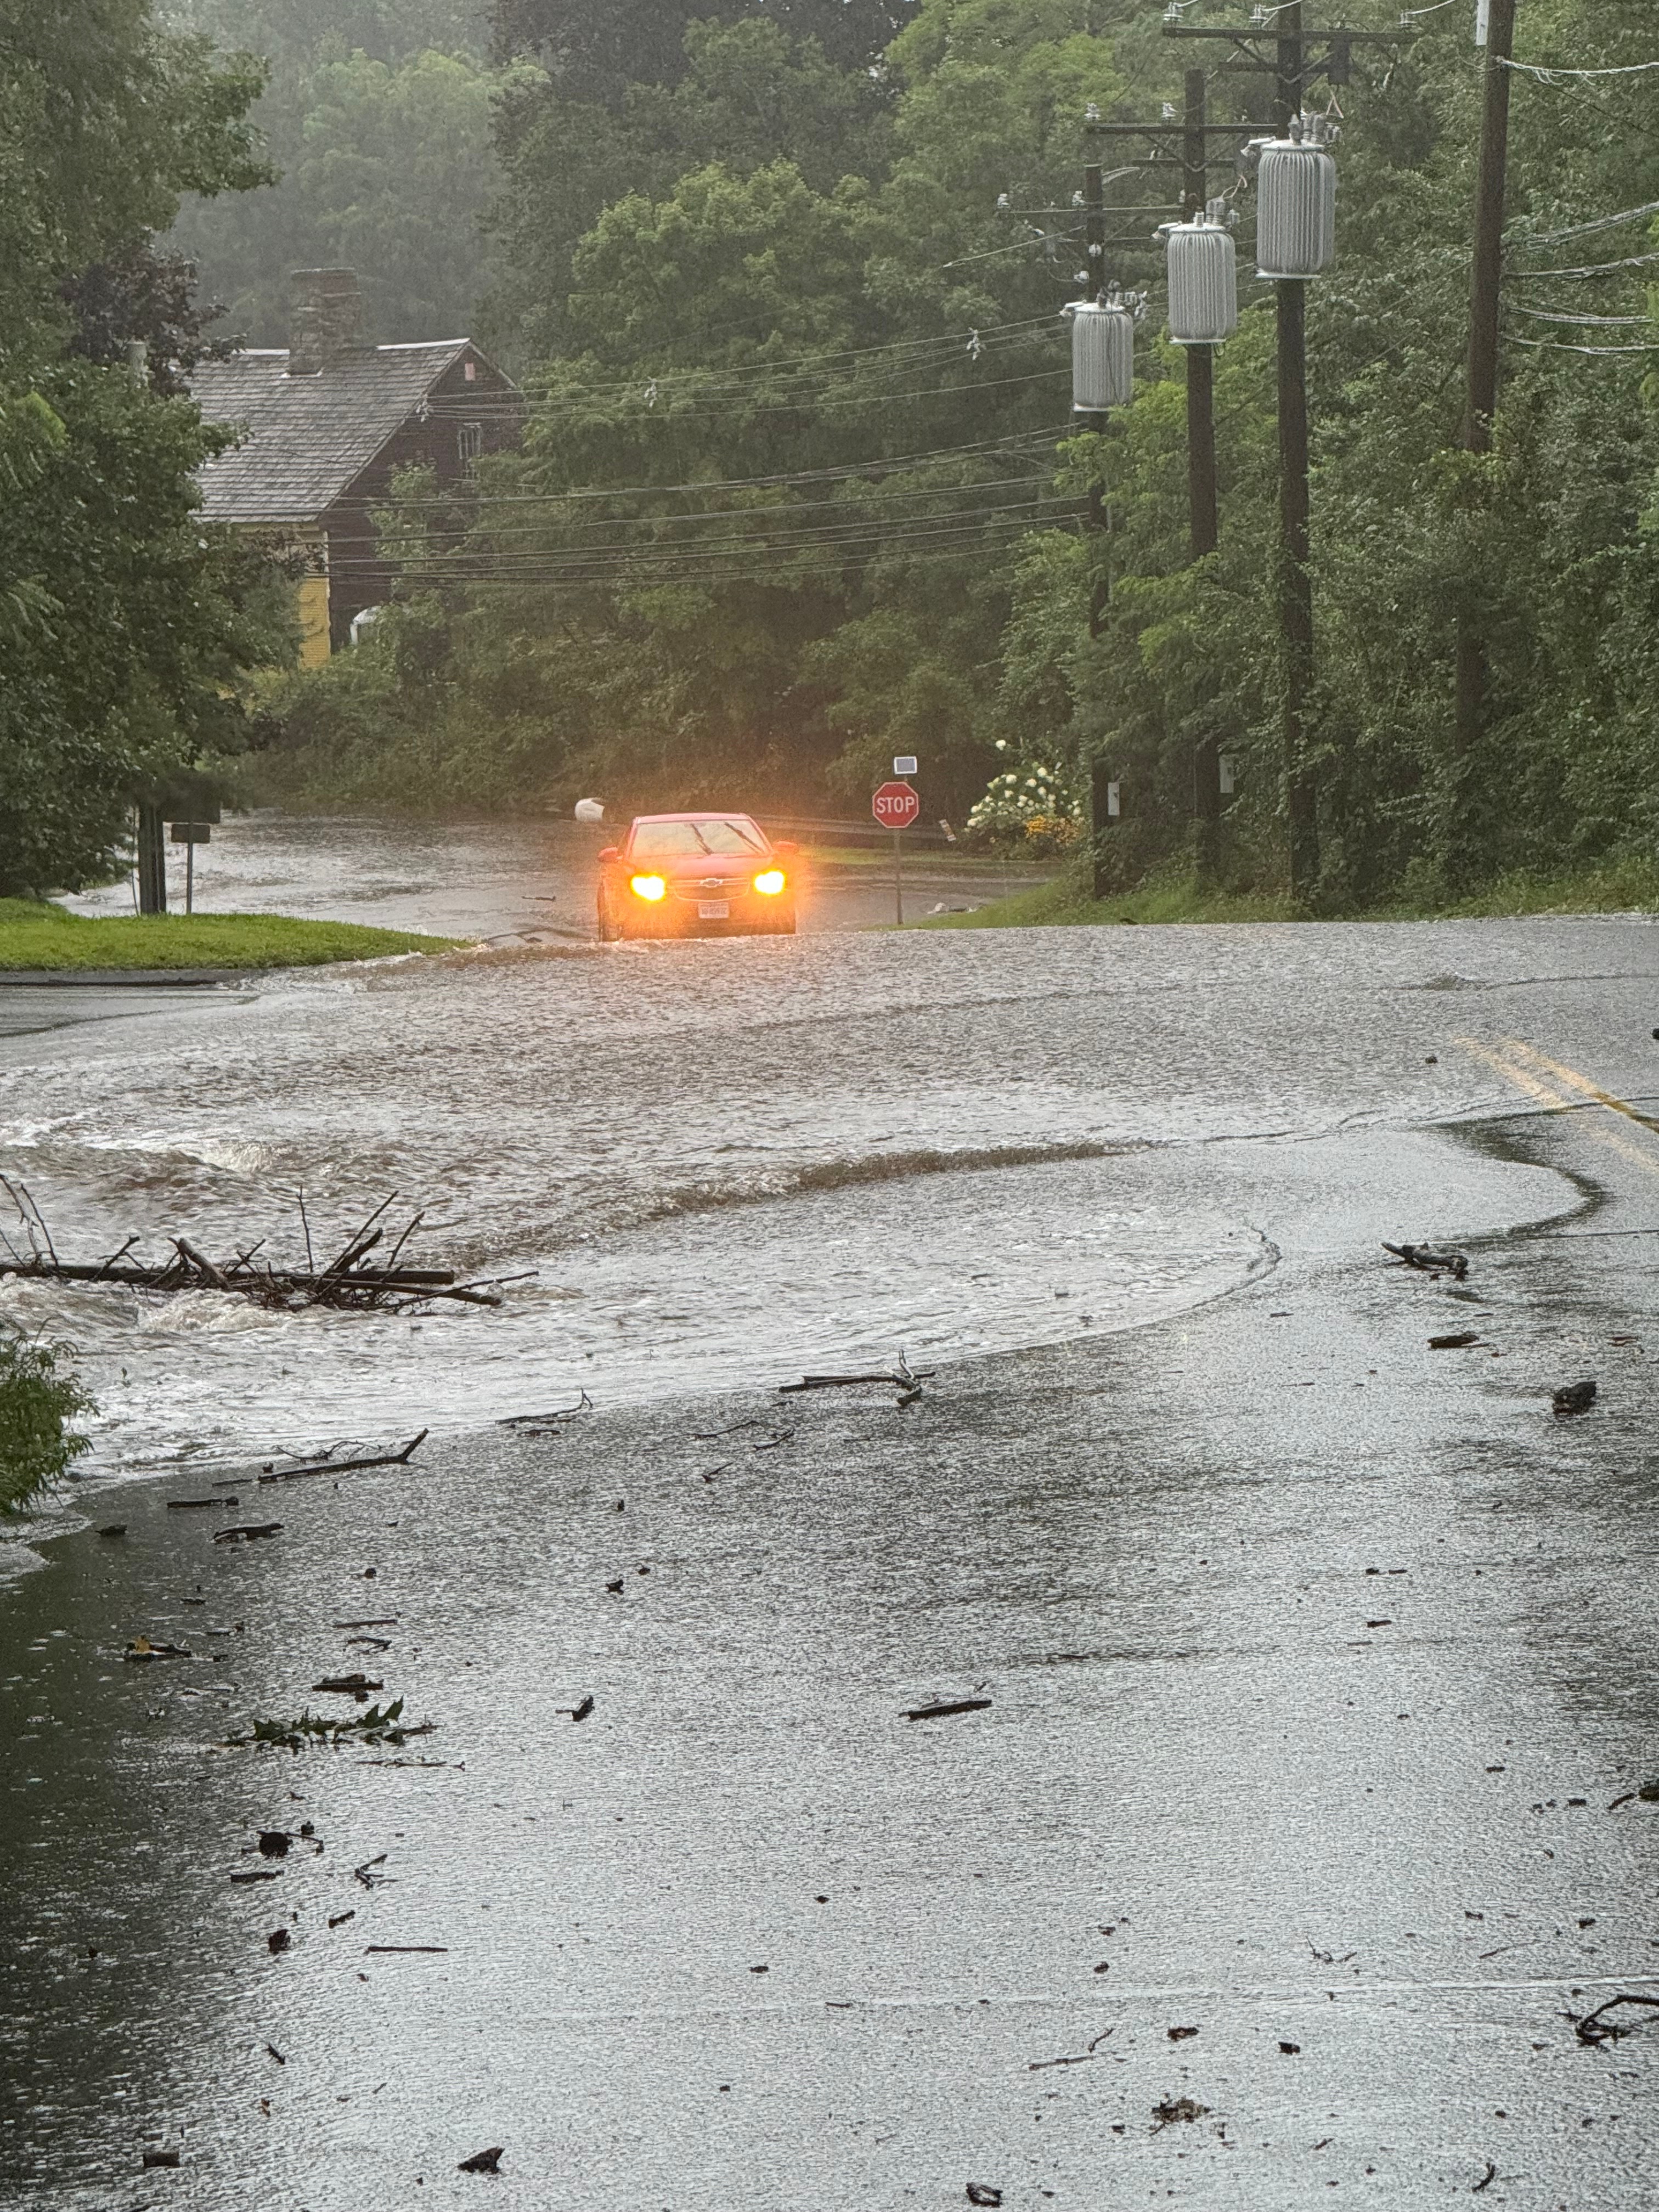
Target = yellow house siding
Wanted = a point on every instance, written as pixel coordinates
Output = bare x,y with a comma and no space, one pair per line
311,598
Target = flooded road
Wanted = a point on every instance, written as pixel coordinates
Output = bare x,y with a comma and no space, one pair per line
716,1160
525,881
1314,1657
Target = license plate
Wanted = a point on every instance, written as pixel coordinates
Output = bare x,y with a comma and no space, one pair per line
713,910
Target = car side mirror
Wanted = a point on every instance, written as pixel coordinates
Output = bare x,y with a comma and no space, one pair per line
611,852
786,848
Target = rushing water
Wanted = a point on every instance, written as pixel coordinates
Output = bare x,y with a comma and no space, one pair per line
718,1162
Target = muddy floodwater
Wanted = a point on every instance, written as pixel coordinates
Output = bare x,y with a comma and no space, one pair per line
1271,1831
701,1162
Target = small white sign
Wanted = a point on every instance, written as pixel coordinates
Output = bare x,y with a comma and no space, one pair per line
1225,765
1114,808
904,764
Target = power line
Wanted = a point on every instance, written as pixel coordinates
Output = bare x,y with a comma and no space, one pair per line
1589,229
803,568
984,334
1560,345
842,507
840,472
1560,76
1565,315
713,544
1588,268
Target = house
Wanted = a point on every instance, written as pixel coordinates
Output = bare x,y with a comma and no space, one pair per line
327,422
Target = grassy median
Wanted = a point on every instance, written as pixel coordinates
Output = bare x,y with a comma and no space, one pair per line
36,935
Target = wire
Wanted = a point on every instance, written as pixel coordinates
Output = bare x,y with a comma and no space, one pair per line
894,530
1560,345
1590,269
784,577
841,472
1559,75
1019,246
726,514
808,400
1588,229
1564,315
791,362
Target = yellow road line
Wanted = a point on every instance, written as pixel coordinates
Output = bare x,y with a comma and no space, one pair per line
1580,1083
1508,1060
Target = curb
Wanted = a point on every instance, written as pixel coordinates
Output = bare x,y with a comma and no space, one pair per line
143,979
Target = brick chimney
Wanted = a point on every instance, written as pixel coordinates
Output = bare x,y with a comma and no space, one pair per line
325,319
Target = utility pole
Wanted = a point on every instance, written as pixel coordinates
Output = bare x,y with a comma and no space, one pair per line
1293,70
1100,590
1203,513
152,859
1183,141
1296,628
1465,846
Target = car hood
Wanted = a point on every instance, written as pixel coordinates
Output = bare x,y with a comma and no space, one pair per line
692,867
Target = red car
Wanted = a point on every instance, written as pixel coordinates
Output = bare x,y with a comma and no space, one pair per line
697,875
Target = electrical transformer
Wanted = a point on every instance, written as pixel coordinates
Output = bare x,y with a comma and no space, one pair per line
1296,207
1203,272
1103,355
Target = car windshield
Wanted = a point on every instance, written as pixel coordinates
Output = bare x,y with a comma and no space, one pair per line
660,840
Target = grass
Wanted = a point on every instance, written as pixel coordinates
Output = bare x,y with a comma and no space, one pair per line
36,934
1625,886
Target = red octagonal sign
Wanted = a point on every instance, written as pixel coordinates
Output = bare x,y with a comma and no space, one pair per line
896,805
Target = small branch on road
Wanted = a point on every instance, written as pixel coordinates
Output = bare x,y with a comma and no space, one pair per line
1429,1262
345,1466
1596,2028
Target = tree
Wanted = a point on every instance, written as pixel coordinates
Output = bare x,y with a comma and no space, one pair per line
124,627
386,166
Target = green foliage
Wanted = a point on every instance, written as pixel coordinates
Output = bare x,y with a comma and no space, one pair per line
129,625
374,1724
386,166
35,934
38,1401
126,627
777,518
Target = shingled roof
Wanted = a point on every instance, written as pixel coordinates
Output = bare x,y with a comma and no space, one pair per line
308,437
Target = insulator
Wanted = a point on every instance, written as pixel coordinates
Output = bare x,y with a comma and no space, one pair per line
1203,270
1102,355
1296,210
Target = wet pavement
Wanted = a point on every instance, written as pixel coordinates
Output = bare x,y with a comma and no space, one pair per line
1315,1658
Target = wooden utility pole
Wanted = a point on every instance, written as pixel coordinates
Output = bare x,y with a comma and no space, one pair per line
1292,69
1465,848
1094,238
1203,514
1296,625
152,859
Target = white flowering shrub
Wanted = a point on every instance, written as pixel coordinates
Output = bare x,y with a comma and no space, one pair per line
1031,804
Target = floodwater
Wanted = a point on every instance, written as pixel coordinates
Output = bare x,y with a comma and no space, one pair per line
1283,1850
524,881
703,1163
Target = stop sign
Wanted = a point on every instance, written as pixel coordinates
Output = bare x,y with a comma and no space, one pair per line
896,805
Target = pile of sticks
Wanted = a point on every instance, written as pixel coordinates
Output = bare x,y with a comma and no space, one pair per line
348,1281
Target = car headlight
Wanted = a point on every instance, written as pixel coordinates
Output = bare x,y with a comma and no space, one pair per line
648,887
769,882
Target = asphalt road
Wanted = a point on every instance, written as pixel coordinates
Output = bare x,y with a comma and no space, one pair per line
1273,1870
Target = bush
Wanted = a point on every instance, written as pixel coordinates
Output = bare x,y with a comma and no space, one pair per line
37,1404
1028,806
